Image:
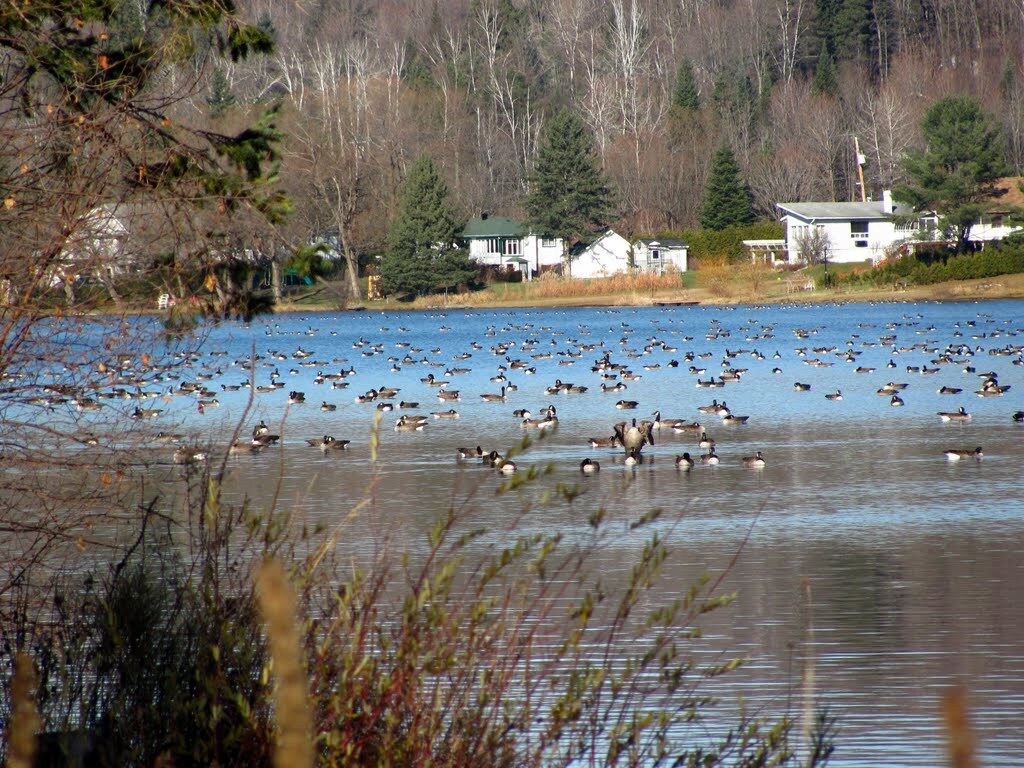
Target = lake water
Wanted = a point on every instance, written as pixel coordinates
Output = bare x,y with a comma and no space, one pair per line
913,564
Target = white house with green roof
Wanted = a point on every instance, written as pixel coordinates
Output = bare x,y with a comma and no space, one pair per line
498,241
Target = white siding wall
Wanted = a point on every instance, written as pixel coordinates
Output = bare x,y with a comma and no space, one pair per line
846,245
605,257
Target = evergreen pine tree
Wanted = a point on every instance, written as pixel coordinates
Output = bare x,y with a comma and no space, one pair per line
422,254
727,199
569,195
685,95
221,99
956,174
825,79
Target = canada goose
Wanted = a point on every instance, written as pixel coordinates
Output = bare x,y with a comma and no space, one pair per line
296,397
949,390
265,438
896,401
757,460
405,424
633,437
494,398
1018,417
626,404
317,442
658,422
242,448
138,413
955,454
575,389
521,413
733,419
165,438
704,441
633,457
713,408
367,397
684,462
382,406
325,406
505,467
693,426
387,393
616,387
544,423
451,413
491,459
549,411
407,405
961,415
260,429
448,395
604,442
801,387
991,391
330,444
589,467
470,453
709,458
188,455
837,395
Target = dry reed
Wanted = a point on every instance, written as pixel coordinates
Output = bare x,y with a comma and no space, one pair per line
958,729
24,723
294,747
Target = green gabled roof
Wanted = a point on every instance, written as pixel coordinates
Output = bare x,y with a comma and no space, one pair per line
493,226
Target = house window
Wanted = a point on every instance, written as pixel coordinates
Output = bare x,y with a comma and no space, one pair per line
548,242
859,229
493,245
655,254
997,221
511,247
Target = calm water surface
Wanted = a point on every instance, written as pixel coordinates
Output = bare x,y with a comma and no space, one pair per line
913,563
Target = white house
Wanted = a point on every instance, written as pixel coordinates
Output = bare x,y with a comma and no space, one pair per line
861,231
850,232
505,243
994,223
655,256
608,255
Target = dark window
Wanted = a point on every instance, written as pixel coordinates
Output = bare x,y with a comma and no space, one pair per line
859,228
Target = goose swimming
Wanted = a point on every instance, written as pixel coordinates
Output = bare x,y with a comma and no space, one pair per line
955,454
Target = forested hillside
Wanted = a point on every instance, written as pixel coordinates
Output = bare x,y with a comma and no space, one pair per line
787,85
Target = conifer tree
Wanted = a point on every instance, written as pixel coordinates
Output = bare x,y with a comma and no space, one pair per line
727,198
957,171
825,78
422,253
685,95
569,195
221,99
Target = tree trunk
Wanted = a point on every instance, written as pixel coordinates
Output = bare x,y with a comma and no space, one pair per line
275,277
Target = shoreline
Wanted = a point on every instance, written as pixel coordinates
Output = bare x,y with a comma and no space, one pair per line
983,289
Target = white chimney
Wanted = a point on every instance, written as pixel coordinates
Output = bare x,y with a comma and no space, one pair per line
887,202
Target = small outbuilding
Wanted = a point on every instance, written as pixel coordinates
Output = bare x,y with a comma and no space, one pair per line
609,254
659,255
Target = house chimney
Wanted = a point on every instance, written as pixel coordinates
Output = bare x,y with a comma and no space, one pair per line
887,202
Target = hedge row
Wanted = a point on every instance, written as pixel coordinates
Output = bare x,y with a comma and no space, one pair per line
727,242
1002,259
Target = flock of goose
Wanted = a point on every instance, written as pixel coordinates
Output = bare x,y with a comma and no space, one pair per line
520,351
615,365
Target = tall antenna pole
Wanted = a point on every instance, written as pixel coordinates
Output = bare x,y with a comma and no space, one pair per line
860,168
